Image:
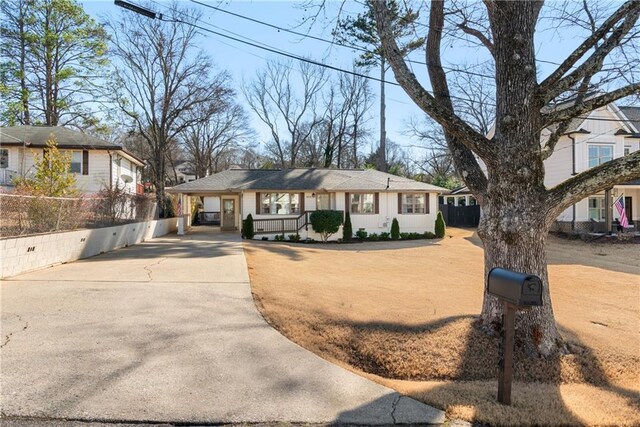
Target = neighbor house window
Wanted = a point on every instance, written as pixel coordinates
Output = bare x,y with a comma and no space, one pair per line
627,150
280,203
362,203
76,161
462,201
472,201
451,201
4,158
596,208
413,204
598,154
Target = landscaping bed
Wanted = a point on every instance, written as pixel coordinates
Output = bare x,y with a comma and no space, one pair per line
403,313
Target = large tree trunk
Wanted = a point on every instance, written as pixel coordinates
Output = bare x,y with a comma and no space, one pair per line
382,153
518,243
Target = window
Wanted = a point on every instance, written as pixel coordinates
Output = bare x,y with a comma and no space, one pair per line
4,158
323,202
413,204
596,208
598,154
472,201
451,201
362,203
280,203
76,161
627,150
462,201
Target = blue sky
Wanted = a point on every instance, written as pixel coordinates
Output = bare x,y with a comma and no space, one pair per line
243,61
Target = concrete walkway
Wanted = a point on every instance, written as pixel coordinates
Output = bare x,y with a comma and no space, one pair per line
167,331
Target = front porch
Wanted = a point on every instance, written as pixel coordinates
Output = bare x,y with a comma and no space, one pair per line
219,210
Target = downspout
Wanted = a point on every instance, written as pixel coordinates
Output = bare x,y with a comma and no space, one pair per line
573,172
110,170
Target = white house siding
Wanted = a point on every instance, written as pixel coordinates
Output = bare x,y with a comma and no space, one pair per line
211,204
22,161
372,223
559,166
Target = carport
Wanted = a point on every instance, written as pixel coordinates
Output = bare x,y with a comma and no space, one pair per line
220,208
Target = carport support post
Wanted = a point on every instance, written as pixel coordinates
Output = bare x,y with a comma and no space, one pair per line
181,221
505,376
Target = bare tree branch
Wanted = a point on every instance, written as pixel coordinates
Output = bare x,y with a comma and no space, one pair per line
614,172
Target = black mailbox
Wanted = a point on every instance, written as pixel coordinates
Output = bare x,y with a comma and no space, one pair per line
520,289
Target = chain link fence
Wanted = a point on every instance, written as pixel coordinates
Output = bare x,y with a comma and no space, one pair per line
24,214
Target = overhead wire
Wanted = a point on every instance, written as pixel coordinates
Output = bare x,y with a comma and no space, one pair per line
263,46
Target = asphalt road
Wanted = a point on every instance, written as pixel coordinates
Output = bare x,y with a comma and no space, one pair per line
167,332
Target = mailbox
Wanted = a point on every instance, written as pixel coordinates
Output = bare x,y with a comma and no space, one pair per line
523,290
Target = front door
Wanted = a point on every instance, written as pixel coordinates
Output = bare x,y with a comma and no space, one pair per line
228,214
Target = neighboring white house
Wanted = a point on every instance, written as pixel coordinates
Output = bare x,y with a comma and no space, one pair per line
605,134
185,172
97,163
278,200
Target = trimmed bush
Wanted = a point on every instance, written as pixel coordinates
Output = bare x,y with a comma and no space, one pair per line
385,236
404,236
247,228
361,234
440,226
294,238
326,222
429,235
347,229
395,229
374,237
265,238
279,238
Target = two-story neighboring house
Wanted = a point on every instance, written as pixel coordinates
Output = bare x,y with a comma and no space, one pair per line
605,134
97,163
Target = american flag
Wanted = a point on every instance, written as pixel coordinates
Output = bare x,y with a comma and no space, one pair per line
619,204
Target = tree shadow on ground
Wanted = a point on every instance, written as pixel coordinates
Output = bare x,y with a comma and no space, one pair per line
469,388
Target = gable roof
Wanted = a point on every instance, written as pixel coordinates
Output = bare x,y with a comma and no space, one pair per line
37,136
298,179
632,113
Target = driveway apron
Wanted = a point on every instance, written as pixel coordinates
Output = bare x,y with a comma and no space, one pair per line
167,331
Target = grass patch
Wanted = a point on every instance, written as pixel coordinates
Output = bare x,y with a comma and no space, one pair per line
403,313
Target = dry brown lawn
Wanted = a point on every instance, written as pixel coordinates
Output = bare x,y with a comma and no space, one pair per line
402,313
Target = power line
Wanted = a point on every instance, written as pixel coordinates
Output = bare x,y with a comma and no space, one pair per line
331,42
271,49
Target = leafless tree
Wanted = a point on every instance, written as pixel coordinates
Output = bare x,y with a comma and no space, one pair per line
160,77
215,129
272,96
518,209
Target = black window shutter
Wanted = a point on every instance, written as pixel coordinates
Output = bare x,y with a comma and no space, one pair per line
85,162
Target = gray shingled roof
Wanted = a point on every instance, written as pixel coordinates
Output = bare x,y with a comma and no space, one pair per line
37,136
303,179
633,114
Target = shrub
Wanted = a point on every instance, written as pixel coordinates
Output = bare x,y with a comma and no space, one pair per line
440,226
326,222
265,238
168,207
361,234
429,235
347,229
294,238
385,236
247,228
395,229
279,238
374,237
404,236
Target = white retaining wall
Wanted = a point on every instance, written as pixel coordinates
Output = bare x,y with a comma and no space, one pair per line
21,254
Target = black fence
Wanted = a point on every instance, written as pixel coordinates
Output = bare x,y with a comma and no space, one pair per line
461,216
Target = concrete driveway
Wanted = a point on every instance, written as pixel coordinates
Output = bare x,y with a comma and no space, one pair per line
167,331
